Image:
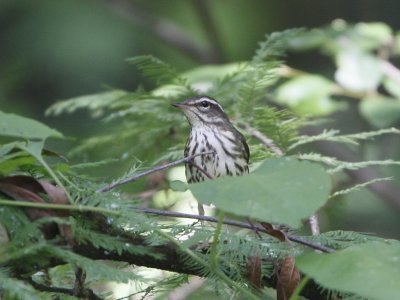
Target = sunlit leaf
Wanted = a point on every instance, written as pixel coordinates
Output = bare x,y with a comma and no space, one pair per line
370,270
21,127
308,95
282,190
377,31
358,71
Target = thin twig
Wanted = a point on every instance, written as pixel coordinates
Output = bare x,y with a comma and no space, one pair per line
240,224
199,168
79,286
390,70
263,139
150,171
314,225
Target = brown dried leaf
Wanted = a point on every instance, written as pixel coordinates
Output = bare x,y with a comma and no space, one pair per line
26,188
288,279
253,270
277,233
55,193
26,182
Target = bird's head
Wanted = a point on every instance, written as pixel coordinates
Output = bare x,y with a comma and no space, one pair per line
203,111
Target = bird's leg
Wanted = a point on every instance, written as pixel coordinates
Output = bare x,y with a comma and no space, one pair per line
201,209
254,227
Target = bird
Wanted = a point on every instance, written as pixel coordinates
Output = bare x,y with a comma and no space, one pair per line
212,131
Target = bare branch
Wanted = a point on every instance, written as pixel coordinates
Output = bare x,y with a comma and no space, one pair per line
240,224
203,11
263,139
135,177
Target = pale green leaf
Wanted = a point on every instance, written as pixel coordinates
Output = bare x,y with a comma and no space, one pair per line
392,86
377,31
21,127
178,186
380,111
308,95
370,270
281,190
358,71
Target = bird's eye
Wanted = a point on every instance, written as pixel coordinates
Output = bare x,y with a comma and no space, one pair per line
205,104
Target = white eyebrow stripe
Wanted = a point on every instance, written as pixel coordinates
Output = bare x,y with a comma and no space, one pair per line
211,101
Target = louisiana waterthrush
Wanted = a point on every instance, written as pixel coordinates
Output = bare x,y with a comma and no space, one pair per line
211,131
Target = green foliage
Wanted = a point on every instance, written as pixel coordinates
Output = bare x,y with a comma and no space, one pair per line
276,191
362,54
308,95
16,289
370,270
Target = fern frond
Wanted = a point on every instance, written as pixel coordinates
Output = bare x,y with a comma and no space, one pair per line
155,69
12,288
358,186
339,239
110,243
342,165
94,103
363,164
275,44
331,135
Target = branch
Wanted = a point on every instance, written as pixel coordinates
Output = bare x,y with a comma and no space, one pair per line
84,293
240,224
135,177
263,139
165,30
210,27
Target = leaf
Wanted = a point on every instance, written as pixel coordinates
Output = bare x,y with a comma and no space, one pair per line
380,111
17,126
277,191
370,270
308,95
253,270
358,71
178,186
392,86
288,279
378,32
26,188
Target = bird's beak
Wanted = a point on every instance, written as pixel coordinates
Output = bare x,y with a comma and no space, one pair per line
179,105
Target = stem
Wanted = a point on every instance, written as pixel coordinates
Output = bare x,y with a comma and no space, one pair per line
203,263
214,244
299,288
53,206
152,170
